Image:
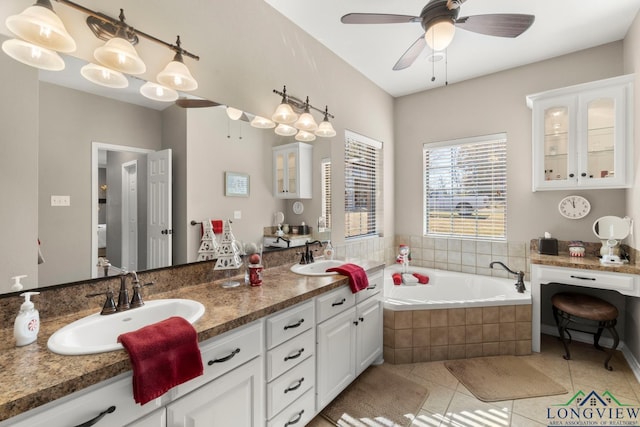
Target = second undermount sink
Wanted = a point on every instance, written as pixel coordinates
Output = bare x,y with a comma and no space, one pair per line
318,268
99,333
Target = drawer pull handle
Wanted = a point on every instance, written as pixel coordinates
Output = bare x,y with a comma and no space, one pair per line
93,421
339,303
295,387
371,287
583,278
224,359
295,420
295,356
295,325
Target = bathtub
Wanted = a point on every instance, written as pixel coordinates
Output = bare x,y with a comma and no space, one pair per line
454,316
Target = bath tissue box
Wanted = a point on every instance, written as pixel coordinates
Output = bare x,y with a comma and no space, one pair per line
548,246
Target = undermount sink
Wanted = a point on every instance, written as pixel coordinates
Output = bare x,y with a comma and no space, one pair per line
318,268
98,333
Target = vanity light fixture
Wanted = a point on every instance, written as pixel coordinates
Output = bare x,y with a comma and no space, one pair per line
104,76
119,54
176,75
304,126
158,92
32,55
262,123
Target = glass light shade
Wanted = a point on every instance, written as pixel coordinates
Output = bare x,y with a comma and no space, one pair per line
32,55
440,35
41,26
306,122
234,113
285,130
177,76
104,76
325,129
305,136
284,114
262,123
158,92
120,55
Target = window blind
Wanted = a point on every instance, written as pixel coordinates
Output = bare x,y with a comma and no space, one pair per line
326,191
363,177
465,187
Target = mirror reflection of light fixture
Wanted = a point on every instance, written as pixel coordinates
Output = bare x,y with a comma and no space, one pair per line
305,136
32,55
176,75
440,34
104,76
286,115
285,130
234,113
325,129
158,92
306,121
262,123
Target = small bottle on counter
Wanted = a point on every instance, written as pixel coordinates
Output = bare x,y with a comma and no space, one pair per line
328,250
27,324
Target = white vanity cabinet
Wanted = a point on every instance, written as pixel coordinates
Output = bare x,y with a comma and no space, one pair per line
583,136
347,341
292,169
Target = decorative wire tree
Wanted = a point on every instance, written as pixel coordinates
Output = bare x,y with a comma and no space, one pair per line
228,255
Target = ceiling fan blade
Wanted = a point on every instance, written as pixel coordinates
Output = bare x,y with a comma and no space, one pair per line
377,18
500,24
411,54
195,103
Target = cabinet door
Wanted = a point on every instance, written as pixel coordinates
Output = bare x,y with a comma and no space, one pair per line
369,334
279,173
286,166
235,398
336,355
154,419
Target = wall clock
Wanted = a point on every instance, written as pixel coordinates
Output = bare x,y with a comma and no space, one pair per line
298,208
574,207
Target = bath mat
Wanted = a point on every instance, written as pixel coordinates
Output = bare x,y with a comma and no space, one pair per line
377,394
492,379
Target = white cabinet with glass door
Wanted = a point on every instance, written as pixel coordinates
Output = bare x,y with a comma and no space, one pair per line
582,136
292,168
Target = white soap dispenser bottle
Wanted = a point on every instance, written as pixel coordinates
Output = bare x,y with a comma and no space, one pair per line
27,324
17,286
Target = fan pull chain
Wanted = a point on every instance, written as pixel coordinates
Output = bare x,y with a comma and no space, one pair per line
446,67
433,69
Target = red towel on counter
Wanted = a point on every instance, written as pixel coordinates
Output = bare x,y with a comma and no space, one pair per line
421,278
397,279
163,355
216,224
357,276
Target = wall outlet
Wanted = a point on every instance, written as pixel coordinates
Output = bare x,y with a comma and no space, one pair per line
237,214
60,200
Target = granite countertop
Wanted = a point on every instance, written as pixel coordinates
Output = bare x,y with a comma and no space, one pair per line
589,262
33,376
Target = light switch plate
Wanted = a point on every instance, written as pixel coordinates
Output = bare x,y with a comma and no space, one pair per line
237,214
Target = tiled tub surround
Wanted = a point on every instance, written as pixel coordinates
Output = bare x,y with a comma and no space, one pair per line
428,335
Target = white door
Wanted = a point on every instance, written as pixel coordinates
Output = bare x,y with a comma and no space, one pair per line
159,223
130,215
369,333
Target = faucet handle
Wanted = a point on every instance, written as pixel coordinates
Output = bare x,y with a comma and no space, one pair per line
136,299
109,306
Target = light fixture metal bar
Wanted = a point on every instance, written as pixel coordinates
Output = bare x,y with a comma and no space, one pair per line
119,23
300,104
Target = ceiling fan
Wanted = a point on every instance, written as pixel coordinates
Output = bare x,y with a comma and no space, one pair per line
439,18
205,103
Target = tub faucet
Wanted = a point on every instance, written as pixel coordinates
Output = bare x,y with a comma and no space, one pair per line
519,274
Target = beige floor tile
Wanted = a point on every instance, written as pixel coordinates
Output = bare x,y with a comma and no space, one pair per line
438,399
435,372
536,408
520,421
465,410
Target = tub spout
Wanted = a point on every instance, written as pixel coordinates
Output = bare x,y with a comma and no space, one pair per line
519,274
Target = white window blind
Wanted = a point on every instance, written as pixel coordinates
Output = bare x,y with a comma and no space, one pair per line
465,187
363,177
326,191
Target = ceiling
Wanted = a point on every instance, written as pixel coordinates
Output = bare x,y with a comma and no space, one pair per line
560,27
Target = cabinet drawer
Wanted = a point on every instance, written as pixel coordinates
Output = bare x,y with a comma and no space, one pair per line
334,302
623,283
290,353
289,386
223,353
289,323
299,413
376,281
87,404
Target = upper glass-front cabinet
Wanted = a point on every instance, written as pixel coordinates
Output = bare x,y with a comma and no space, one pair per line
582,136
292,171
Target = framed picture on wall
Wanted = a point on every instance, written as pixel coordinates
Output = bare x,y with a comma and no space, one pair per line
236,184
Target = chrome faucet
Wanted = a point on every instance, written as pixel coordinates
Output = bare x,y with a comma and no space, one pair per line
307,256
519,274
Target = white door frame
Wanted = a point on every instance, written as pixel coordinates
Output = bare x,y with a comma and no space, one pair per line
129,221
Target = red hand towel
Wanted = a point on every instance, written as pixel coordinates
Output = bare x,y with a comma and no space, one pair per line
421,278
216,224
163,355
397,279
357,276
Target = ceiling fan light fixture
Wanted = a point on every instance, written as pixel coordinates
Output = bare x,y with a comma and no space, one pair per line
39,24
260,122
104,76
234,113
158,92
440,34
32,55
285,130
120,55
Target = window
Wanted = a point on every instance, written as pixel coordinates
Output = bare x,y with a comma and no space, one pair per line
465,188
363,181
326,192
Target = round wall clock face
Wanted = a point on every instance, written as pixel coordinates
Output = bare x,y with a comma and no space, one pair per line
298,208
574,207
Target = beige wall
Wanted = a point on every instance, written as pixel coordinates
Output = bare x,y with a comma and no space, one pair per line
493,104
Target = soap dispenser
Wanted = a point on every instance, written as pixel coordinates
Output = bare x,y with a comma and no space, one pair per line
328,250
17,286
27,324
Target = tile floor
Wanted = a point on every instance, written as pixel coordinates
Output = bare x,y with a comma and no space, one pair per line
449,403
